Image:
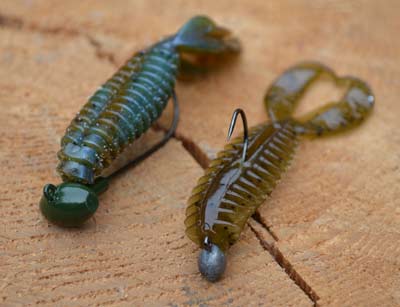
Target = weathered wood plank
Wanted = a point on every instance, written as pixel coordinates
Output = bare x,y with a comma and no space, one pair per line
335,212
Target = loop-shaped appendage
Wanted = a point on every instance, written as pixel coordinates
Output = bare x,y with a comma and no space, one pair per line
201,35
336,117
284,94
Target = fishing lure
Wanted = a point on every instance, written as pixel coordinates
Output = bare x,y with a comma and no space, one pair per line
120,111
238,181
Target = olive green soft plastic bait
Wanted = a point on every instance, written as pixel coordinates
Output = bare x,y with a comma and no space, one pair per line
121,110
238,181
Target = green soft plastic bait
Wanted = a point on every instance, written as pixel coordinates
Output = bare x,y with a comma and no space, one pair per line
121,110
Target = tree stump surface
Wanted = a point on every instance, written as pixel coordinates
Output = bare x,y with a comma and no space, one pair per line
328,235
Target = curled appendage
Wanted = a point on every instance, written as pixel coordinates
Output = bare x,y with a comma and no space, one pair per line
284,94
201,35
212,261
336,117
203,44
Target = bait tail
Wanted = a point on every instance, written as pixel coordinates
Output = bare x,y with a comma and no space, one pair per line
284,94
337,117
201,37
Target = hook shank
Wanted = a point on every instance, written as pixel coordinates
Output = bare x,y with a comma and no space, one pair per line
245,130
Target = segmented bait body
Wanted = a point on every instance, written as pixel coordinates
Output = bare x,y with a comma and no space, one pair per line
118,113
121,111
237,183
127,104
231,190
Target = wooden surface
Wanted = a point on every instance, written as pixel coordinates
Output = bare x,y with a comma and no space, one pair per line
328,236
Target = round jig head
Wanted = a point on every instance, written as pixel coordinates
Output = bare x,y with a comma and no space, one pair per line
212,261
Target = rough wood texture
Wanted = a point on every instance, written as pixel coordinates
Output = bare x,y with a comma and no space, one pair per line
329,234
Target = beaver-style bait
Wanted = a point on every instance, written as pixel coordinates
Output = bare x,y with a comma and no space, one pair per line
238,181
122,110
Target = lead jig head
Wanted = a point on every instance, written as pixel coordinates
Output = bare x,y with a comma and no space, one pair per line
212,261
68,204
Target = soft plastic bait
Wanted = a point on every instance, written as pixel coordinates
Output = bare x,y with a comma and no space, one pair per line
120,111
238,181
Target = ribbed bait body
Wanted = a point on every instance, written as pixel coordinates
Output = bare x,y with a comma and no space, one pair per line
121,110
118,113
230,191
233,187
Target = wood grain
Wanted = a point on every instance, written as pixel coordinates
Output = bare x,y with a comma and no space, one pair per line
334,218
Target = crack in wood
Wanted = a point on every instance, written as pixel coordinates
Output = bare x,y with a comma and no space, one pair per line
287,266
259,219
100,53
10,22
191,147
19,24
195,151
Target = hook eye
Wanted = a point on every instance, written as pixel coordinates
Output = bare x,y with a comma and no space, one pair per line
49,190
